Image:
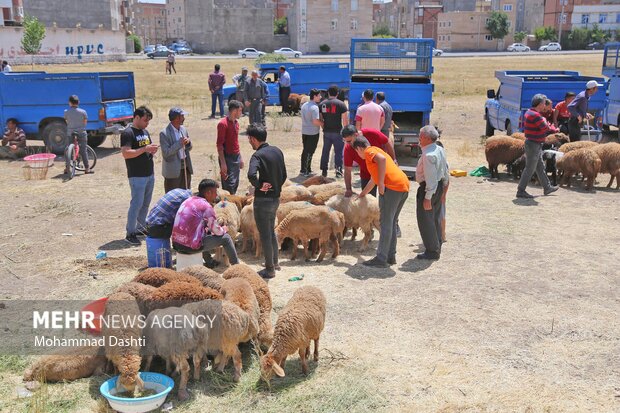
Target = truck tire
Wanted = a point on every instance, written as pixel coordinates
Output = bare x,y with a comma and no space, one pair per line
55,137
509,130
96,140
490,130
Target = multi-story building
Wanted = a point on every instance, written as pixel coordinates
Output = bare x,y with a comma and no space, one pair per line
175,19
466,30
532,16
606,16
563,22
313,23
150,22
88,14
11,12
425,19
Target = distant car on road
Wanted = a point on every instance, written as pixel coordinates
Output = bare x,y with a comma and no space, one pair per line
160,51
288,52
250,52
551,47
518,47
437,52
149,49
595,46
181,49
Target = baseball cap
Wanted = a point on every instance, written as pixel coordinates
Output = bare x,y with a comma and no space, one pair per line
244,68
591,84
174,112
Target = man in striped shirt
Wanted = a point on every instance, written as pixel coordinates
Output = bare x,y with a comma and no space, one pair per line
160,219
536,128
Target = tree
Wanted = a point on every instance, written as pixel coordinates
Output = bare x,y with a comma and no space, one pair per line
270,58
497,25
32,39
382,30
280,25
599,35
546,33
137,43
519,36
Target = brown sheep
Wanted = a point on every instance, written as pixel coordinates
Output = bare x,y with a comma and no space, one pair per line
295,193
295,102
160,276
518,135
571,146
317,180
249,230
143,293
240,292
263,296
69,364
556,139
172,294
300,321
125,358
206,276
583,160
610,161
502,150
238,200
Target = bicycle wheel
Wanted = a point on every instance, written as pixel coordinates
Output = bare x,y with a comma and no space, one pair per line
92,159
70,154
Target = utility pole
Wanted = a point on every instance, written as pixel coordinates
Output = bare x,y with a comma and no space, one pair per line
561,21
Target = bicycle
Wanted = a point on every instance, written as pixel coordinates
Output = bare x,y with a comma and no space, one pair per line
73,153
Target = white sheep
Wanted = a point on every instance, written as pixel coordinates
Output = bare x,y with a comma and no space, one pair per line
227,214
358,213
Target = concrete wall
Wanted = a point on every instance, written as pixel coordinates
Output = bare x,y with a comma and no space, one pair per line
67,13
534,15
459,5
465,31
64,46
230,25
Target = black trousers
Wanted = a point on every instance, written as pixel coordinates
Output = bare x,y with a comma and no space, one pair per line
284,94
179,182
310,143
163,231
429,222
574,129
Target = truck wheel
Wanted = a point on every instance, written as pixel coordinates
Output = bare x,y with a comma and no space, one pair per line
490,130
508,128
95,140
55,137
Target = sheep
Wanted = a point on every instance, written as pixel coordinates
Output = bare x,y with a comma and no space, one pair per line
550,158
263,296
582,160
555,140
517,135
286,183
240,292
172,294
502,150
315,189
222,192
157,277
230,325
295,193
285,209
125,358
295,101
317,180
239,201
249,230
143,293
358,213
68,364
171,333
227,214
299,322
610,161
571,146
207,277
319,222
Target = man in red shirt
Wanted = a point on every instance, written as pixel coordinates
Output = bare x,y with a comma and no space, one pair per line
561,115
228,147
377,139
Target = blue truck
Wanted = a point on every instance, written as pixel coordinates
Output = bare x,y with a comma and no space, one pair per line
304,76
402,69
611,69
504,109
38,101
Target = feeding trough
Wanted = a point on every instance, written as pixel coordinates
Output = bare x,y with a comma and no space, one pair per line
159,383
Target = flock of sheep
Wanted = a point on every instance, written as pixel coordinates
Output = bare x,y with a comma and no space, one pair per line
562,158
238,303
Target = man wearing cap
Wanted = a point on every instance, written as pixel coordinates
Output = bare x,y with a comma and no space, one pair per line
285,88
578,109
257,94
175,147
241,81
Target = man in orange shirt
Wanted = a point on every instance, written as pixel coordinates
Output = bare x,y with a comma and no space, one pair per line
393,187
561,115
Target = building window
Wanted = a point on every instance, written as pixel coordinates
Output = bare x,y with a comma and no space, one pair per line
562,19
618,18
353,24
449,24
585,18
508,7
334,5
179,20
486,22
353,5
602,18
488,37
335,24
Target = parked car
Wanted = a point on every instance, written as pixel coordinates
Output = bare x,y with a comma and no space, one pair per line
149,49
250,52
160,51
595,46
518,47
180,48
437,52
551,47
288,52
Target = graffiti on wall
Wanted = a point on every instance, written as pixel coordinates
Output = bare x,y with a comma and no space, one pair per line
80,50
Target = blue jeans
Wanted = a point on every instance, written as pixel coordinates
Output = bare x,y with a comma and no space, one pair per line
265,217
141,194
219,95
329,139
231,183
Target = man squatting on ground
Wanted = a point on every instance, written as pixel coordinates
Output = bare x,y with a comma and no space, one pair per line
196,229
175,146
267,173
13,141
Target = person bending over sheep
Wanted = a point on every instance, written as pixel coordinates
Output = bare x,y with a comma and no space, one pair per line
393,192
196,228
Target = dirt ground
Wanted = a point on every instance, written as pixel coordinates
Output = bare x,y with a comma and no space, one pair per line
519,315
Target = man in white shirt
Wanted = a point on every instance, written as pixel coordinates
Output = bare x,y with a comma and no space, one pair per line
433,176
175,147
6,68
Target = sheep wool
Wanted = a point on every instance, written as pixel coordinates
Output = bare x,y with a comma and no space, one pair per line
358,213
610,161
157,277
502,150
67,365
240,292
583,160
571,146
207,277
317,180
143,293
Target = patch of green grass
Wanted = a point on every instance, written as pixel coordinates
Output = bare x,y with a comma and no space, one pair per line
13,364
